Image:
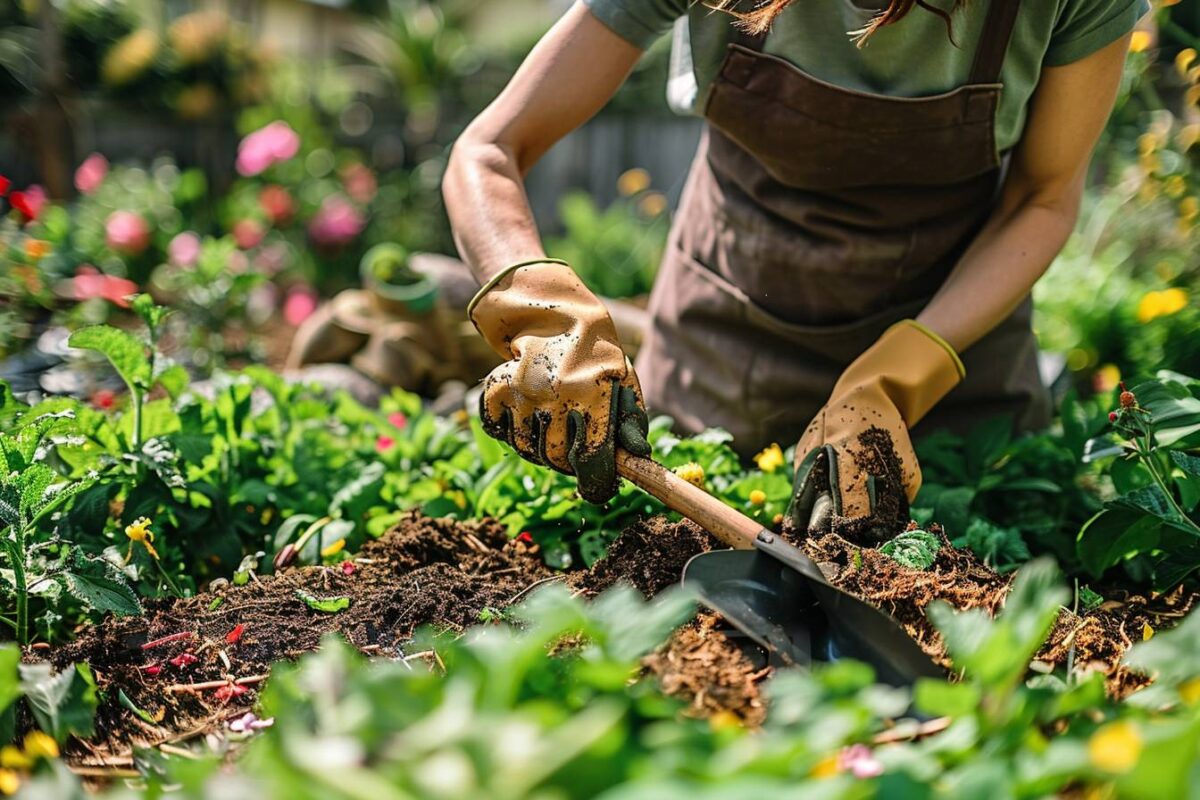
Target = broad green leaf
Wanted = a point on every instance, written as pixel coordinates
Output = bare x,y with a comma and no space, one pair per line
1186,461
126,353
63,703
985,442
938,698
102,594
327,605
1113,535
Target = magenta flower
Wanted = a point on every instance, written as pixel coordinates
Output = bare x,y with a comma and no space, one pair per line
127,233
384,443
299,305
397,419
267,146
248,233
184,249
336,222
90,283
91,173
859,760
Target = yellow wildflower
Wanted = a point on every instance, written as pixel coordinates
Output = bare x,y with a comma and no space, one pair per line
9,781
633,181
1115,747
334,548
691,472
1189,208
1147,632
758,497
1140,41
39,744
653,204
36,249
1184,60
139,532
723,720
770,459
1188,135
11,757
129,57
1175,186
1161,304
827,767
1189,691
1147,143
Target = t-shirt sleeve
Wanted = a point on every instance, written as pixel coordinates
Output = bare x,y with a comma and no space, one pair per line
1085,26
639,22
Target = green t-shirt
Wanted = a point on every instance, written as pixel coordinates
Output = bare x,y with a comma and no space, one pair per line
912,58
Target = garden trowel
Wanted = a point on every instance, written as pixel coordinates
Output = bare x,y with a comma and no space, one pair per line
774,593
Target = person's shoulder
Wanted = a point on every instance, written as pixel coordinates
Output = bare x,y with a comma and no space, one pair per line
640,22
1084,26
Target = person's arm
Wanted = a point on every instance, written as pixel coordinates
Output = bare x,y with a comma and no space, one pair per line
568,77
1040,200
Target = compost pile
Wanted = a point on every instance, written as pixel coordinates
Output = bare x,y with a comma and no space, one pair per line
188,665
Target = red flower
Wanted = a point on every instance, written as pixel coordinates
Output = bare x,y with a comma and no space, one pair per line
278,203
1112,416
4,184
348,568
104,399
229,691
525,538
29,202
184,660
234,635
384,443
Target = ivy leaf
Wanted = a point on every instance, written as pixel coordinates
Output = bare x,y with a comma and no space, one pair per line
126,352
63,703
329,605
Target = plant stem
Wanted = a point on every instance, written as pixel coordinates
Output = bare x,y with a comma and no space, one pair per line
166,577
16,550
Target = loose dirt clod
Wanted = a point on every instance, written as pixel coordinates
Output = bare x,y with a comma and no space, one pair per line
650,555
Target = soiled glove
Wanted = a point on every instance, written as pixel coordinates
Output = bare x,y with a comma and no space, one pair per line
567,397
856,452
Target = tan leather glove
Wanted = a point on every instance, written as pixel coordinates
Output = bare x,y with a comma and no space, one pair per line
567,397
856,452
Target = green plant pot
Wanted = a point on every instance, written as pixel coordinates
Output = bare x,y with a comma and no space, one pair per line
393,285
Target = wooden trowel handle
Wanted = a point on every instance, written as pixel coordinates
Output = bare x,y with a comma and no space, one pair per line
731,527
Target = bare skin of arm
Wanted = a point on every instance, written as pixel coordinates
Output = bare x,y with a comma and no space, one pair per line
568,77
1039,203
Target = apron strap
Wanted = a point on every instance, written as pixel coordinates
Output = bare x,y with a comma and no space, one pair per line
993,43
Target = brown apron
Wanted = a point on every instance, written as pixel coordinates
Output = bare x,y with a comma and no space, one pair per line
813,218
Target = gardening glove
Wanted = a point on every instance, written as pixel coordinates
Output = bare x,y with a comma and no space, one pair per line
855,469
566,397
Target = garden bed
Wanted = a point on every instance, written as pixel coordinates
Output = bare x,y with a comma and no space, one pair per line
187,666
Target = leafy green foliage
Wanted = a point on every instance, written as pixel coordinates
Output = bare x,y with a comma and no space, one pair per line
326,605
915,549
63,703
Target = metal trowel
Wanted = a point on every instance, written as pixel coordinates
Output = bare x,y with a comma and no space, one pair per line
774,593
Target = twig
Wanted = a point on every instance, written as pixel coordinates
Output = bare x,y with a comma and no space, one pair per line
104,772
171,749
908,734
199,687
174,637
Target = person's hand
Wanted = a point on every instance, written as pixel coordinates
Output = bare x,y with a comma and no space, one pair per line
856,471
567,396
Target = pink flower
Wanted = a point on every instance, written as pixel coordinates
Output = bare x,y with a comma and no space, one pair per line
278,204
184,249
348,568
267,146
248,233
249,722
91,173
384,443
29,203
858,759
336,222
299,305
127,233
359,182
89,283
397,419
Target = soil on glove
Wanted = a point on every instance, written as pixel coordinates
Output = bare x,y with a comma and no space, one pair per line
874,454
424,571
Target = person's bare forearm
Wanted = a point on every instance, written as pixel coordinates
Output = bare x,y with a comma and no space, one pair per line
567,78
1000,268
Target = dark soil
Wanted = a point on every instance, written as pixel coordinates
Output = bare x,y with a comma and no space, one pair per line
875,455
650,555
424,571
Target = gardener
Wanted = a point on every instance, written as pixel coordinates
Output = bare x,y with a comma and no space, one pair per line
854,248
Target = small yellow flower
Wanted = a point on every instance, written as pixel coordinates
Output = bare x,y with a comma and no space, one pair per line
633,181
827,767
691,472
723,720
1188,135
1184,60
1106,378
1189,691
1115,747
1161,304
1175,186
758,497
1140,41
653,204
770,459
11,757
1147,632
9,782
334,548
139,532
36,249
1189,208
39,744
777,519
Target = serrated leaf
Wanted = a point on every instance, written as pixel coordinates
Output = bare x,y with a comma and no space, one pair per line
916,549
125,351
328,605
102,594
